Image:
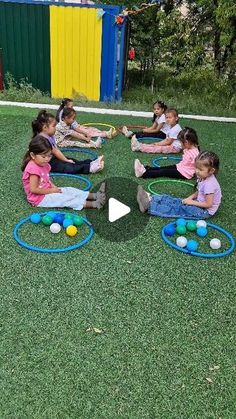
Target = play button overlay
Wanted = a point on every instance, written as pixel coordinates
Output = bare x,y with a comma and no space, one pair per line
116,210
120,219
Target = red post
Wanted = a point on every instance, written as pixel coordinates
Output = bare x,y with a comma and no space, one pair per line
1,70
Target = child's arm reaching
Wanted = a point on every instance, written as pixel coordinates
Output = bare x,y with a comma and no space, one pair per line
34,187
166,141
191,200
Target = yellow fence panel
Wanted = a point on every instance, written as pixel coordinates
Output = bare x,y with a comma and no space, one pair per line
75,52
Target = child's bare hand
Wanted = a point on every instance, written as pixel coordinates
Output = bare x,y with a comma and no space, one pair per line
187,201
55,189
70,161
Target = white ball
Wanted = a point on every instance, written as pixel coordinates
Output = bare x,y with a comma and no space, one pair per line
181,241
55,228
215,244
201,223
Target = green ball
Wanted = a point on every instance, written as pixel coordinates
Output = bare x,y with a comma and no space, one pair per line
191,226
68,217
47,220
181,229
78,220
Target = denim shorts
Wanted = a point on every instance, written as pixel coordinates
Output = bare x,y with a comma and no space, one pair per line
171,207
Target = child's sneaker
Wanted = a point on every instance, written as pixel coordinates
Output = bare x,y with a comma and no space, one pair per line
110,133
126,132
135,144
139,168
97,165
143,199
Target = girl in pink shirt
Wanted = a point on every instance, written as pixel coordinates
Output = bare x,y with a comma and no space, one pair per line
41,191
185,169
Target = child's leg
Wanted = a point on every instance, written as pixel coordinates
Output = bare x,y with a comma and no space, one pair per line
168,171
93,132
159,134
68,198
171,207
155,148
60,166
69,142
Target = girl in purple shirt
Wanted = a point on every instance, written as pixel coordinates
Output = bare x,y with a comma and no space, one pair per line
45,125
201,204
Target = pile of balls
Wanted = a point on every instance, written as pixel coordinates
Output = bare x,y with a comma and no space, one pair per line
182,226
57,220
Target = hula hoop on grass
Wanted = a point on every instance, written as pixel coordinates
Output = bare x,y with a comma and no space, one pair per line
88,124
28,246
199,254
92,154
157,159
184,182
88,184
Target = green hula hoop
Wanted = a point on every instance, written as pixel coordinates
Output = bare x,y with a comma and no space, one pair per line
184,182
99,124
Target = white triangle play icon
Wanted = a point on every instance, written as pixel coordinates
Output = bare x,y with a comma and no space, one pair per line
116,210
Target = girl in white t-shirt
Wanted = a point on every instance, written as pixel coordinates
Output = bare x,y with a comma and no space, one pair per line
158,128
170,144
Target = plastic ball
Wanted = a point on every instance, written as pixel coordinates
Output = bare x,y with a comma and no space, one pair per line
181,241
170,230
215,244
68,217
201,223
181,229
181,222
67,222
192,245
59,218
51,214
55,228
47,220
71,231
191,225
35,218
78,220
202,231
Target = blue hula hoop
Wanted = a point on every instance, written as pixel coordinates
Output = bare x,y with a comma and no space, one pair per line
92,154
88,184
27,246
157,159
153,139
204,255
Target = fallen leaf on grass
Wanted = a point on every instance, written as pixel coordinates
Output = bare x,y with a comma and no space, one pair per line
95,330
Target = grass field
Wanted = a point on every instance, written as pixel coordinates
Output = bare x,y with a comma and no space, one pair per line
168,347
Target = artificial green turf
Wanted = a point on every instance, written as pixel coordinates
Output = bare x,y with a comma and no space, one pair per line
168,320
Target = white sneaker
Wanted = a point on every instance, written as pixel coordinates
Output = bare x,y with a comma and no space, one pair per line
143,199
135,144
139,168
126,132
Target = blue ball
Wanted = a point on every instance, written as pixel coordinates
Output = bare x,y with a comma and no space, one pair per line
51,214
192,245
170,230
59,218
202,231
67,222
181,222
35,218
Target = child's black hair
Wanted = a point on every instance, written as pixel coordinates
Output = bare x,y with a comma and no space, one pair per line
67,112
64,102
38,145
162,105
190,135
42,119
212,159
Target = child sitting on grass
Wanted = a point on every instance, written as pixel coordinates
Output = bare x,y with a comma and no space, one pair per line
185,169
41,191
170,144
86,131
66,136
201,204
